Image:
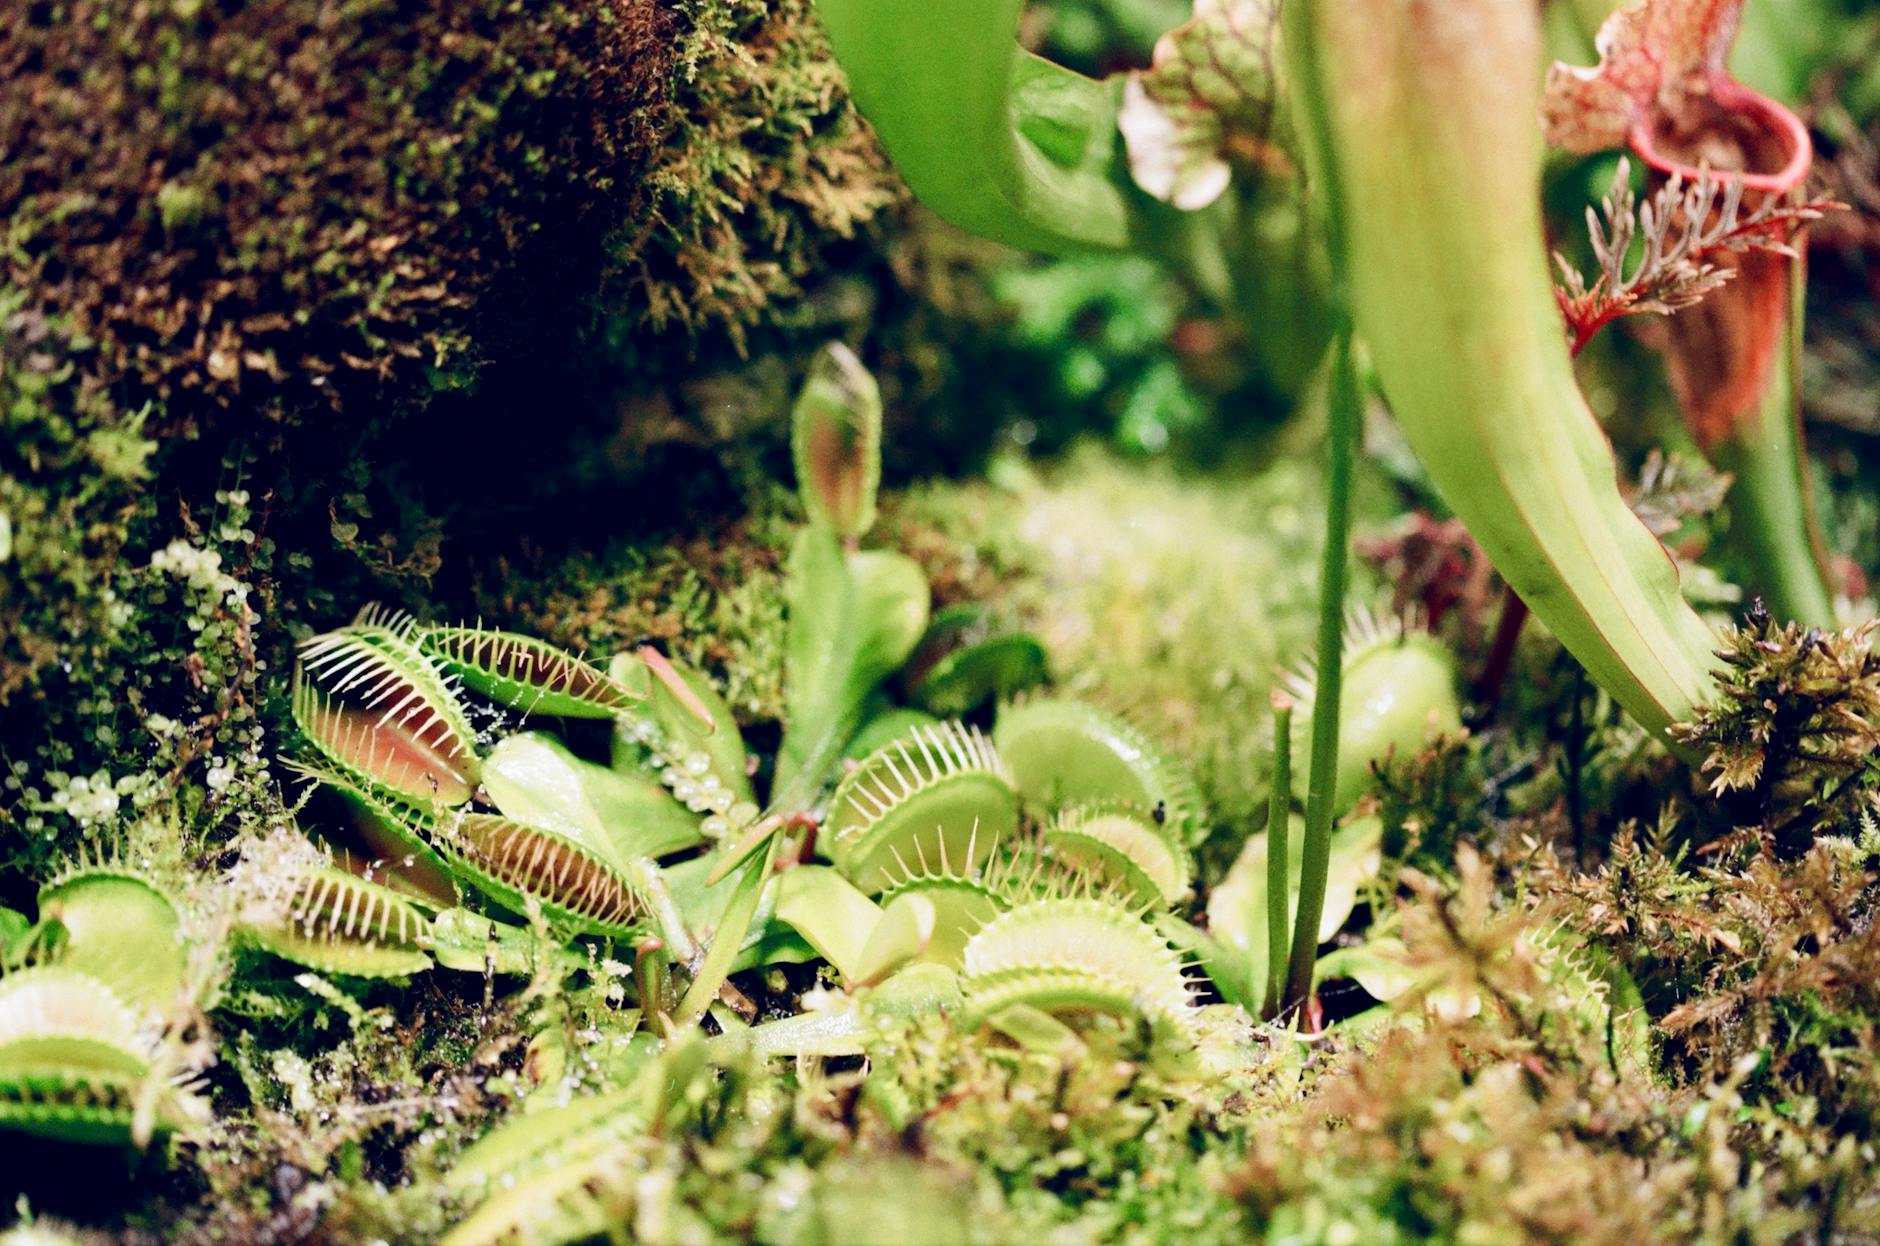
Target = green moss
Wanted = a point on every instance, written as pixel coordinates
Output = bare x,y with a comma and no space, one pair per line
71,464
766,168
129,659
714,601
1175,598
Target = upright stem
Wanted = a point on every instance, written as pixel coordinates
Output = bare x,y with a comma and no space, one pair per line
1278,875
1316,853
1773,525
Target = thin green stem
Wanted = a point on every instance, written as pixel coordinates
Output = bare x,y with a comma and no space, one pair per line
1315,853
1278,880
1774,529
727,940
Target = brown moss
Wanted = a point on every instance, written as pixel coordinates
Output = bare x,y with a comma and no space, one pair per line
284,204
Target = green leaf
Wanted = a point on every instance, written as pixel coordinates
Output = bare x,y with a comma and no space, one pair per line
994,139
533,777
884,726
853,621
472,943
703,903
1037,1030
830,912
848,1024
904,933
1228,967
728,939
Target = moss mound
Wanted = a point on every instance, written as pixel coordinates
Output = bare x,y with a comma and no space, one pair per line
292,205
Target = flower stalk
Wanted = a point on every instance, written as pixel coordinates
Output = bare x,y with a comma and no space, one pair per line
1278,881
1315,852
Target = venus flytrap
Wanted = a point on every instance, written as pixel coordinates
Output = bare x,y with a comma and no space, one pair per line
1021,885
931,890
855,615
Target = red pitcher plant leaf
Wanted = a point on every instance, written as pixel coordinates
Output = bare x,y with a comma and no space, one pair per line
1662,88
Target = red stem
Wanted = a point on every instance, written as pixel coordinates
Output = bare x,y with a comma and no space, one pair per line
1500,661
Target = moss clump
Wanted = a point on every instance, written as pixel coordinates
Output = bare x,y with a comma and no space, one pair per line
1174,599
765,167
70,464
1794,727
1507,1121
285,205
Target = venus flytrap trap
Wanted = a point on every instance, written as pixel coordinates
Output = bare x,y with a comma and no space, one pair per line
941,795
1399,693
87,1010
1064,752
965,659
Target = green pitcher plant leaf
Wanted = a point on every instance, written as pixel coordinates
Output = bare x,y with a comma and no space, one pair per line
1427,162
996,140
